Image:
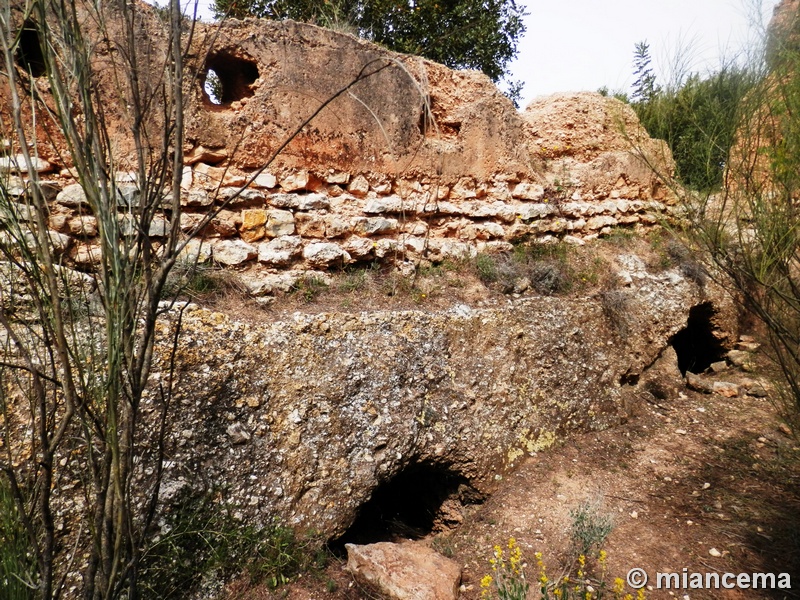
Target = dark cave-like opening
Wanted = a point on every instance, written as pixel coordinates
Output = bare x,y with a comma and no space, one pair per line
29,54
696,345
408,506
228,78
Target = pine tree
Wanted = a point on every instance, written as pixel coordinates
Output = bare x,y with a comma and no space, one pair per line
645,87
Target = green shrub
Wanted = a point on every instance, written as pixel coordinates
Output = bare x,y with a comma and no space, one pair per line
202,542
17,564
309,287
698,120
590,528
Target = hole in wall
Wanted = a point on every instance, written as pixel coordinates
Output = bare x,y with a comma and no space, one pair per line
422,498
425,123
696,345
228,77
29,54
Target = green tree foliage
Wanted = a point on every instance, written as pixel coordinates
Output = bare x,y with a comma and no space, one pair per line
697,116
462,34
698,122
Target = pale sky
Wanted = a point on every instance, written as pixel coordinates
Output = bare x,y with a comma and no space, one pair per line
574,45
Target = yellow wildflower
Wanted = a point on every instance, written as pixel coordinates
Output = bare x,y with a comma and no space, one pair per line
640,594
619,585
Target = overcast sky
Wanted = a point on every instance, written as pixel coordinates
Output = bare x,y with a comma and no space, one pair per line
573,45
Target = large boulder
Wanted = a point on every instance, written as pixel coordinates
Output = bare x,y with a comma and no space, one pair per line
406,571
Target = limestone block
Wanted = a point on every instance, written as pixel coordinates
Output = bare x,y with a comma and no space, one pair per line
464,189
360,248
253,218
17,164
300,201
385,247
441,208
698,383
406,188
196,198
494,247
87,256
226,223
406,571
482,231
195,251
186,179
724,388
279,222
336,227
129,226
213,177
540,210
414,243
58,221
236,195
128,195
253,222
310,225
14,186
359,186
482,210
527,191
84,226
325,254
59,241
233,252
302,180
337,177
373,225
207,176
17,211
280,251
738,357
265,180
601,221
72,195
415,228
388,204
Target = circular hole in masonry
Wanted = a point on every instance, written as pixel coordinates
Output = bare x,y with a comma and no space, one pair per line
696,345
228,77
419,500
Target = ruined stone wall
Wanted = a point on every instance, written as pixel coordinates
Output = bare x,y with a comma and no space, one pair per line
415,162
